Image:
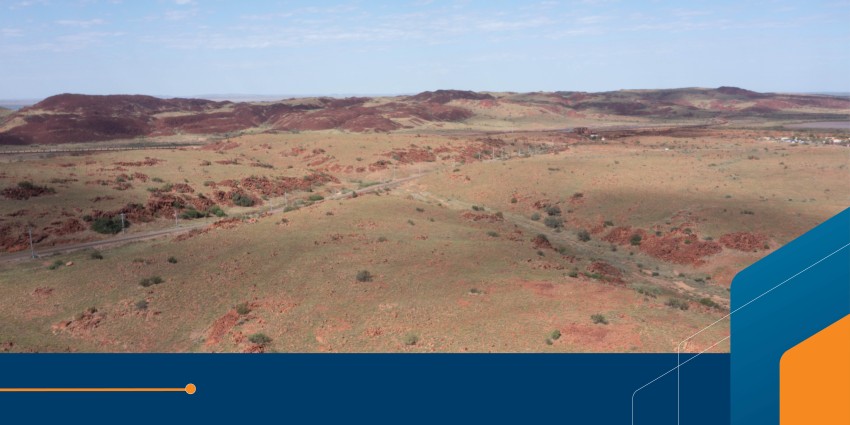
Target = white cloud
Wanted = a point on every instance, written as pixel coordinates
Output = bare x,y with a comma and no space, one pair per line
80,23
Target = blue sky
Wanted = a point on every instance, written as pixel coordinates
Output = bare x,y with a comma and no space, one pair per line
193,47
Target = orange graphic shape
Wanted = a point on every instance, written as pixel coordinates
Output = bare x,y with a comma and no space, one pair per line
814,378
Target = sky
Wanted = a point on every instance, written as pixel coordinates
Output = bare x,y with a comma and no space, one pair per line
198,47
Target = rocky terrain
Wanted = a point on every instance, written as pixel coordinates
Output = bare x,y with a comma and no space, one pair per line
74,118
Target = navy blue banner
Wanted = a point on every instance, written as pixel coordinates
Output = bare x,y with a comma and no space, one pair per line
369,388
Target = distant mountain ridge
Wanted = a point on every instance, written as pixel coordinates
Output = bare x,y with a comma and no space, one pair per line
71,118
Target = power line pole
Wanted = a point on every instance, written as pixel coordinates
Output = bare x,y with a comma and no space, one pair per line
32,250
123,228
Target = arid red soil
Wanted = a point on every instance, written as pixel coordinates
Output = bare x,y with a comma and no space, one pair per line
675,247
607,271
24,191
744,241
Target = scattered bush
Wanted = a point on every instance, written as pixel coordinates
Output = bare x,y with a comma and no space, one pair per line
677,303
573,273
241,200
315,198
420,209
56,264
635,239
243,309
149,281
708,302
649,291
492,234
475,291
477,208
172,260
553,222
141,305
96,255
513,200
410,222
259,339
535,216
608,223
555,335
553,210
364,276
108,225
599,319
583,235
192,214
411,339
216,211
382,238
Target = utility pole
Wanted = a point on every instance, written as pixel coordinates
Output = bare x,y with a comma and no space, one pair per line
32,250
123,229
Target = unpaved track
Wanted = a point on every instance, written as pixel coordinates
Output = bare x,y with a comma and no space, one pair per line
123,239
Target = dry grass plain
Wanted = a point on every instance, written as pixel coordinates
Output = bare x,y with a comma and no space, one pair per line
456,264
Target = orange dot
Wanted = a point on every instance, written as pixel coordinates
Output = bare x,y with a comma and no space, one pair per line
190,388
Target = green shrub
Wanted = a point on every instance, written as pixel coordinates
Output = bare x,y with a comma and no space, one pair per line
553,210
96,255
635,239
192,214
708,302
553,222
315,198
241,199
555,335
216,211
573,273
608,223
599,319
243,309
649,291
492,234
364,276
583,235
411,339
56,264
108,225
513,200
420,209
172,260
259,339
149,281
677,303
535,216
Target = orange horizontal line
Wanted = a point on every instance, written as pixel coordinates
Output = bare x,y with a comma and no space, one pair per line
188,389
89,390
